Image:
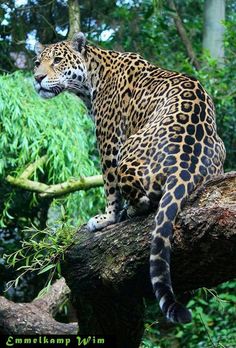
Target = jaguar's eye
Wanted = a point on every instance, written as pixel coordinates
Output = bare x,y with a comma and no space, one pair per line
37,63
57,60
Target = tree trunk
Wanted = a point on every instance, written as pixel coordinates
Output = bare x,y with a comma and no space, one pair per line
214,15
108,272
74,18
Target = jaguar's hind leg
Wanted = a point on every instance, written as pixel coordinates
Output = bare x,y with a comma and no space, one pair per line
141,207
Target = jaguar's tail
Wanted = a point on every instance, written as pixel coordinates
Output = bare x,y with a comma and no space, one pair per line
170,204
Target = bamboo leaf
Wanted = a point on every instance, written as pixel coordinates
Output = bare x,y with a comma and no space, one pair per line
47,268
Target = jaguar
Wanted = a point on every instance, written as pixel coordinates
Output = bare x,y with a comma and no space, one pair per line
156,134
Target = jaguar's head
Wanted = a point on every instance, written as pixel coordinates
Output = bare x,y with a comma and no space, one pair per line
60,67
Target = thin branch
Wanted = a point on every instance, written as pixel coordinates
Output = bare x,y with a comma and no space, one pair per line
84,183
24,7
183,34
50,191
46,191
48,23
26,184
32,167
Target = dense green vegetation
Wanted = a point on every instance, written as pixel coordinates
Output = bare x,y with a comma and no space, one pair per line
213,322
59,128
32,127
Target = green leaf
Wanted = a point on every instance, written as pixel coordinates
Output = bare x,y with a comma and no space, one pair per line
47,268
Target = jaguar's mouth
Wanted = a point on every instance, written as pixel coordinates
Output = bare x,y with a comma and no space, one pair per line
45,93
44,89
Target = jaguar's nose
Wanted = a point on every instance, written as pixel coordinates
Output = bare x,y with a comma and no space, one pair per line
39,78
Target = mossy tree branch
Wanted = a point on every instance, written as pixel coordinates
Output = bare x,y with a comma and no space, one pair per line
51,191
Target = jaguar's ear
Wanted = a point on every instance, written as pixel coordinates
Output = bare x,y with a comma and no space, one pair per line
38,48
79,42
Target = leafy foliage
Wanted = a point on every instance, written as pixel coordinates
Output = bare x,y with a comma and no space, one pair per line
213,322
41,252
32,127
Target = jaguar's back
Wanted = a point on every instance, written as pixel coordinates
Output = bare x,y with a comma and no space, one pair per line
157,138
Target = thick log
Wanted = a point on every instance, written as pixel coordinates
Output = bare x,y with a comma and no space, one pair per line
108,272
36,317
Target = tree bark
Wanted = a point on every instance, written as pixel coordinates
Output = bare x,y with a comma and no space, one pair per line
108,272
213,37
183,34
36,317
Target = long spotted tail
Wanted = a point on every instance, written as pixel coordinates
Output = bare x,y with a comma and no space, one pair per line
169,207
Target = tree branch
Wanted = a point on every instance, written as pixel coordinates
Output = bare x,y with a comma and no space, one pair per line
32,167
56,296
27,184
36,317
183,34
84,183
56,190
108,272
50,191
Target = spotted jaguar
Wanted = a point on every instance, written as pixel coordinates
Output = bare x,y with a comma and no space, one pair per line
157,138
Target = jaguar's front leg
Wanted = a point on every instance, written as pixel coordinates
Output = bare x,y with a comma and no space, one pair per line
111,137
114,204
